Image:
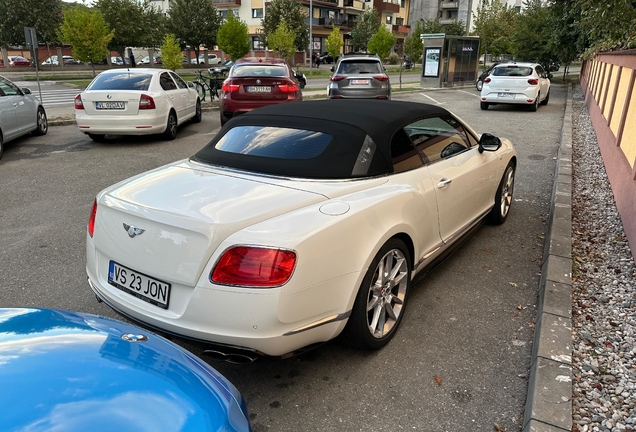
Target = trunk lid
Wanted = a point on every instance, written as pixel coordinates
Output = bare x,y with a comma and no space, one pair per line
111,102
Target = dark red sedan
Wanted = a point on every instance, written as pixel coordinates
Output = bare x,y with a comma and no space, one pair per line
255,82
19,61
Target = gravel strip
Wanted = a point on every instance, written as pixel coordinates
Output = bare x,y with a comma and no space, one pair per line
604,292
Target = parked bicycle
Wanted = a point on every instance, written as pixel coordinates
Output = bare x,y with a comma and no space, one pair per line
211,87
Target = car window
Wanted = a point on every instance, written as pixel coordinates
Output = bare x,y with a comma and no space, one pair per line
181,83
166,82
404,156
249,70
360,67
121,81
438,137
512,71
8,88
274,142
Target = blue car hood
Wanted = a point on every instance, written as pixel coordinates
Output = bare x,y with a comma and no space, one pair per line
75,372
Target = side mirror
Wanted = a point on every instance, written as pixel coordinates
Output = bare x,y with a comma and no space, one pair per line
333,69
190,84
26,90
550,76
489,142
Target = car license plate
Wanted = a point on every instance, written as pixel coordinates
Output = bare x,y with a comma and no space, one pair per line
259,89
109,105
506,95
359,82
141,286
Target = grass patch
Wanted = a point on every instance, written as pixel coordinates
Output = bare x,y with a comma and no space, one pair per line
88,77
80,83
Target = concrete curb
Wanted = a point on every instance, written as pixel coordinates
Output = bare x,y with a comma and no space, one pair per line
549,399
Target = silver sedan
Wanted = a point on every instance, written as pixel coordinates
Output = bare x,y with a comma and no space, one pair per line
20,113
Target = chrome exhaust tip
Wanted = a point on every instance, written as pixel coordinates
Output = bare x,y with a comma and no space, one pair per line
231,357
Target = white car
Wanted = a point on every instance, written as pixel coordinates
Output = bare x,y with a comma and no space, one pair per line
516,84
297,222
212,59
136,102
20,113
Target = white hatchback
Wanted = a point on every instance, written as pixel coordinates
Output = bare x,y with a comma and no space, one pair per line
516,83
136,102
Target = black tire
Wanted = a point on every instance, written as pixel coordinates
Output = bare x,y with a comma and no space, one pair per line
503,197
42,123
171,127
223,121
535,106
545,101
484,105
97,137
372,324
197,113
200,90
479,85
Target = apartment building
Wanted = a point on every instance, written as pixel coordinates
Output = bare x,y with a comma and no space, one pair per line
450,11
326,13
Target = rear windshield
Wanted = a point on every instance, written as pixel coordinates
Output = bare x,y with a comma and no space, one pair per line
360,67
121,81
274,142
512,71
256,70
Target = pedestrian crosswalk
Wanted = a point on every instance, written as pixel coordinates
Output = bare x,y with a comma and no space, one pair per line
52,97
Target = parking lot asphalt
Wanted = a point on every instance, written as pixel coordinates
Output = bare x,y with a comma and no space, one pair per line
547,403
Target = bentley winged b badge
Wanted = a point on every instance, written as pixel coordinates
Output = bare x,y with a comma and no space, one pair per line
132,231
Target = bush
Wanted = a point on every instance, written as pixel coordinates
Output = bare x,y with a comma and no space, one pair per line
393,59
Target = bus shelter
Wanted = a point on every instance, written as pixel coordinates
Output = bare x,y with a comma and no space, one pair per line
449,60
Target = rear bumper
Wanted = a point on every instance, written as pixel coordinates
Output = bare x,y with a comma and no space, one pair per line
140,124
512,98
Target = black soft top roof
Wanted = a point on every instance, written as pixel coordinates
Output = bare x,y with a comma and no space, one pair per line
348,121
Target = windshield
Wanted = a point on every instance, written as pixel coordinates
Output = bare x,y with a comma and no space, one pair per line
121,81
512,71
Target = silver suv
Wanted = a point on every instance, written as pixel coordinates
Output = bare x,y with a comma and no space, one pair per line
359,76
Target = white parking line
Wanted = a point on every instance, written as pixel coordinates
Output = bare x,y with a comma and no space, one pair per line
472,94
438,103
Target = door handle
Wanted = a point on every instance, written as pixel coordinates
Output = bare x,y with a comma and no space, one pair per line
443,183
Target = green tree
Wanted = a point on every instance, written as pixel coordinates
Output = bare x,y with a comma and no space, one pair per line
610,24
126,18
292,13
44,15
195,23
495,24
413,45
171,56
366,26
568,39
334,42
154,25
434,26
233,37
532,34
87,32
381,42
282,41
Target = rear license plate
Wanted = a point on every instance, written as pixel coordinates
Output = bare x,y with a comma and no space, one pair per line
259,89
109,105
141,286
359,82
506,95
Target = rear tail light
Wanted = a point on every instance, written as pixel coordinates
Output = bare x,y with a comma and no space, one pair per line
146,102
250,266
288,88
382,78
228,87
487,80
91,220
533,81
79,104
337,78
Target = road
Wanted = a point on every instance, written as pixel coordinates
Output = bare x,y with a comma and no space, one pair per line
458,363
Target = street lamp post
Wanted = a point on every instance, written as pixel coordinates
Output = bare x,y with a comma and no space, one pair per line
311,38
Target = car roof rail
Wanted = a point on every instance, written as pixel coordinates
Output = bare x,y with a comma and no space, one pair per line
360,54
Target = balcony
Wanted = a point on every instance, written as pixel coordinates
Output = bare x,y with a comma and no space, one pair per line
450,5
328,22
401,28
385,6
217,3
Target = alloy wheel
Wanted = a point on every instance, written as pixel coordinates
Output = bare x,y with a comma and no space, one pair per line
506,192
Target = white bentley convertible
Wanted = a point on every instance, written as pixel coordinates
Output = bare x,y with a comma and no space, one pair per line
297,222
